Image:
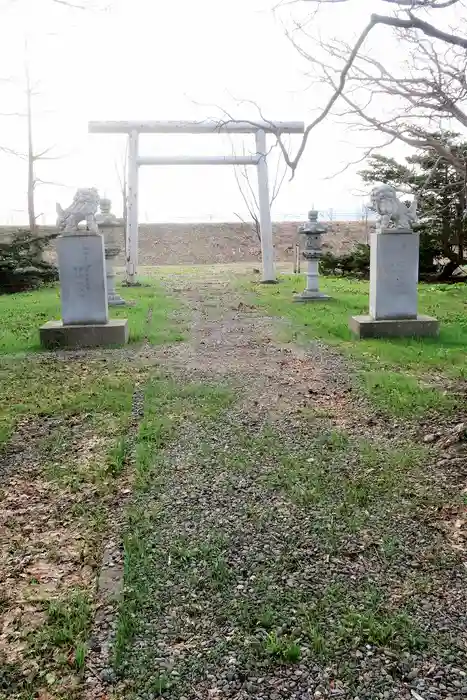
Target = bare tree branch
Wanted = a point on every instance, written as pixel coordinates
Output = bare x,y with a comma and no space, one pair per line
248,193
13,152
411,4
31,156
40,181
69,4
433,86
416,23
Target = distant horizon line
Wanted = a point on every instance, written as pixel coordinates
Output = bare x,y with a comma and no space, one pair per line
328,215
191,222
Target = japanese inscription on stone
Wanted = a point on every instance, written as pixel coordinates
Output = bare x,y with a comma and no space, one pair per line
82,279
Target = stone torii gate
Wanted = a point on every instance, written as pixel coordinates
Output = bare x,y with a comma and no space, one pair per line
135,160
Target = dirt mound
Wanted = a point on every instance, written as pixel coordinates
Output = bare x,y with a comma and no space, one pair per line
219,243
209,243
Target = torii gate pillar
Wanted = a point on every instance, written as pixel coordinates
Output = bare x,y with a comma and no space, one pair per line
265,222
132,209
260,129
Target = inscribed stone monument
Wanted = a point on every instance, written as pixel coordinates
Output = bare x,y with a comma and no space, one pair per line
394,275
394,262
83,289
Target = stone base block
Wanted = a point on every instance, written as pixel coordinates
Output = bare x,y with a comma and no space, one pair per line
116,300
315,296
368,327
55,335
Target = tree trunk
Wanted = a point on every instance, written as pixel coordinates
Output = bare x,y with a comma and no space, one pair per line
460,226
125,209
31,162
446,220
446,243
31,179
257,227
447,271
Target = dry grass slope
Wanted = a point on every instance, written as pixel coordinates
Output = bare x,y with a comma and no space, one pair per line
211,243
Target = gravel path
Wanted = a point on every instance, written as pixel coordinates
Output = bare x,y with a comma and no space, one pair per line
232,341
289,552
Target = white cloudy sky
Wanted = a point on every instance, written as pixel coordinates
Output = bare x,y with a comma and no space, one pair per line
164,59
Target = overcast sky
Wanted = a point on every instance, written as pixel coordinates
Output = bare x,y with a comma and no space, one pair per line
154,59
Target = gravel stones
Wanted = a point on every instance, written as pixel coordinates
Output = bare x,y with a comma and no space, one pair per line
278,564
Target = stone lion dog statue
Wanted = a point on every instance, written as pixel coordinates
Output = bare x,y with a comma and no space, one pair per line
83,208
393,213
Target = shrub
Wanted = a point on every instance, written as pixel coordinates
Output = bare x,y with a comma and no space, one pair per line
356,263
22,266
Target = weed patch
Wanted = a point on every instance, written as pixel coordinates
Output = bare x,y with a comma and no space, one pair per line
395,373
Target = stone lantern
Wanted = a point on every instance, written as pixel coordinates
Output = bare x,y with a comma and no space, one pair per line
312,230
112,231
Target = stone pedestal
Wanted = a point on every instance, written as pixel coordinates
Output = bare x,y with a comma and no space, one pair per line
394,263
113,231
83,293
313,230
113,297
55,334
311,292
368,327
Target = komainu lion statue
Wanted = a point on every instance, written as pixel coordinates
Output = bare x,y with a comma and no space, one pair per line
83,208
393,213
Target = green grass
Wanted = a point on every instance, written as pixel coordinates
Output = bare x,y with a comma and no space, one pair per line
403,376
275,546
118,456
360,618
46,386
76,416
151,316
94,396
281,649
66,628
59,645
353,501
169,405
